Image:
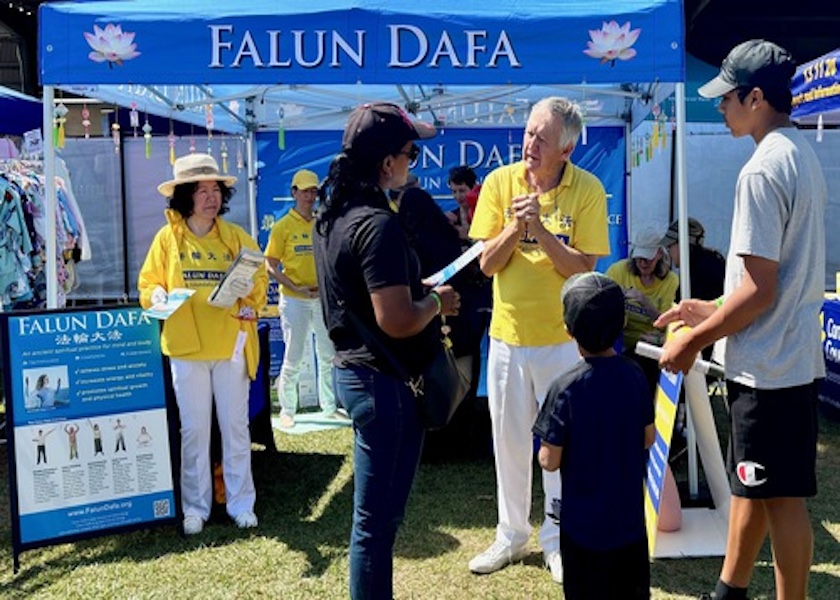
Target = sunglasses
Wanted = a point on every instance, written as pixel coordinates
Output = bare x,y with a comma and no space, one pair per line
412,153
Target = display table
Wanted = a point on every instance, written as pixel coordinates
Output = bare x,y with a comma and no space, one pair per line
830,341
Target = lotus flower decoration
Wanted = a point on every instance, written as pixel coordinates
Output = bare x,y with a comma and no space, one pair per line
111,45
612,42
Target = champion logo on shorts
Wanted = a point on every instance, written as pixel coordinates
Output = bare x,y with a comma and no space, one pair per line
749,473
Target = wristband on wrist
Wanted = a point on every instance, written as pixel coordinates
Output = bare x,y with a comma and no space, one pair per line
719,302
436,297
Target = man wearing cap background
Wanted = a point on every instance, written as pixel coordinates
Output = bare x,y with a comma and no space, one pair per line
543,220
707,266
289,260
769,315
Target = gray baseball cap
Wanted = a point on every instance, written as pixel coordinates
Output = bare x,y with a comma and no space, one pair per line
755,63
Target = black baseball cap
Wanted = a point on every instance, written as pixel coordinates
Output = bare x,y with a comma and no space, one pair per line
696,232
754,63
381,128
593,310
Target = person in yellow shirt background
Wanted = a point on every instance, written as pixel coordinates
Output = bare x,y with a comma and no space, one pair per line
649,287
289,260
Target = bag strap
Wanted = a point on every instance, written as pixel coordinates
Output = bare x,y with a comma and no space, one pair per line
415,384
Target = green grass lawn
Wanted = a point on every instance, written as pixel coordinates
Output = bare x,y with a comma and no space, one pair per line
300,549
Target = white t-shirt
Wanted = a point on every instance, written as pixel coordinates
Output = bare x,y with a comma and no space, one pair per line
780,203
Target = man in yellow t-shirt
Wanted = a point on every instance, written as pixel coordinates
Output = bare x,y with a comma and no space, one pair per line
289,260
543,220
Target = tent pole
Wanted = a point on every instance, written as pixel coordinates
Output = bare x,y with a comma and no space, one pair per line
252,182
685,273
628,181
50,196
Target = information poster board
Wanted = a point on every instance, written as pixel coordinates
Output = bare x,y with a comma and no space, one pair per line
89,448
667,398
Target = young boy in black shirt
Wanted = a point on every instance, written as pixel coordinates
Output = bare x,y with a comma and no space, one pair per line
596,426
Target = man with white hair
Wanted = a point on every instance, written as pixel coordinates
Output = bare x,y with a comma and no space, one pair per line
543,219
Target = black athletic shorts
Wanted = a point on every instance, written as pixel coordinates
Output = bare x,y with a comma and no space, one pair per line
773,441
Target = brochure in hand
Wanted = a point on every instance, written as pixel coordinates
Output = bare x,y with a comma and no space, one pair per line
174,300
446,273
242,268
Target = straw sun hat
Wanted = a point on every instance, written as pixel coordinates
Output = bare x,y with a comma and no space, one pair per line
192,168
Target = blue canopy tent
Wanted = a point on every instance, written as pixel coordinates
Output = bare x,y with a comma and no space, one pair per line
816,90
268,64
20,113
264,64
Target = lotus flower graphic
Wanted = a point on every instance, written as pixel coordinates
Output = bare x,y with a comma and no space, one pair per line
111,45
612,42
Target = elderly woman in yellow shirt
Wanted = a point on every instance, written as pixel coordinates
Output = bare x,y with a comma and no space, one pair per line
213,350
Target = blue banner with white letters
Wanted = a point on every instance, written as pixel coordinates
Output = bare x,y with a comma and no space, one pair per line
350,41
482,149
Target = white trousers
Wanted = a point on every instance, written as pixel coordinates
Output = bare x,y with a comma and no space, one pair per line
518,379
300,318
197,383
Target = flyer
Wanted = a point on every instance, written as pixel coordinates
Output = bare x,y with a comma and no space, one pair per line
446,273
174,300
243,267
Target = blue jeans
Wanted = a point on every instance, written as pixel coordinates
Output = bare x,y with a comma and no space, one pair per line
388,442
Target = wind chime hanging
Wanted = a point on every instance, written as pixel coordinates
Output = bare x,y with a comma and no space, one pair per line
224,152
134,118
147,136
281,130
208,124
58,130
86,120
115,131
171,139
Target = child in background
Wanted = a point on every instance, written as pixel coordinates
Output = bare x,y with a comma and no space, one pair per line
595,426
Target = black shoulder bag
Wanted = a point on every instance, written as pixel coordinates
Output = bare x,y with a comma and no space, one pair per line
441,387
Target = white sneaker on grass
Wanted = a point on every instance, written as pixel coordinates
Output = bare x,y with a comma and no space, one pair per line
554,563
497,556
287,421
192,525
246,520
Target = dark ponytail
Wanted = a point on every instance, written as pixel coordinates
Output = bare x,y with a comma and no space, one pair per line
348,182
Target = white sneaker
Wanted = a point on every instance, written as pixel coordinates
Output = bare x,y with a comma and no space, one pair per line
287,421
193,525
554,563
497,556
246,520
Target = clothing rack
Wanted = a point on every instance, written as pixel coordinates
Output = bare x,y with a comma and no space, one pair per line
23,234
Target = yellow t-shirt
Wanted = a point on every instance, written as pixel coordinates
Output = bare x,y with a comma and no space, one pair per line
526,292
661,294
204,261
290,242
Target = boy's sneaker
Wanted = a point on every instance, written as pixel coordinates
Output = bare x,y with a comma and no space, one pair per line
193,525
497,556
554,564
246,520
